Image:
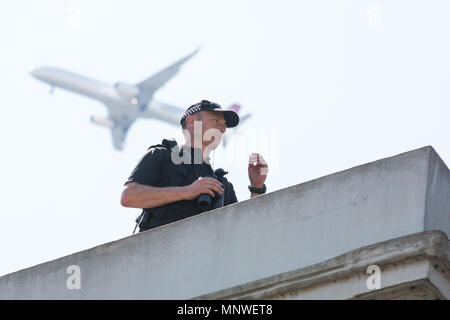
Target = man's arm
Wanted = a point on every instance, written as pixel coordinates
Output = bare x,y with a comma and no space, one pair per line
137,195
257,172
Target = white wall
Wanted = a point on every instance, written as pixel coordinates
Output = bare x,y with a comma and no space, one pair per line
278,232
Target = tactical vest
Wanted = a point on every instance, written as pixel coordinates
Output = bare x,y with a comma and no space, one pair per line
157,216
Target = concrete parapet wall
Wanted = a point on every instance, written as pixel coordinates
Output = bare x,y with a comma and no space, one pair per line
410,267
279,232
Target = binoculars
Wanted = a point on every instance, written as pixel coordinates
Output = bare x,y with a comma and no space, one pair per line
206,202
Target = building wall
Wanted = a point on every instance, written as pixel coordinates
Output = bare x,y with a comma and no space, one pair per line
281,231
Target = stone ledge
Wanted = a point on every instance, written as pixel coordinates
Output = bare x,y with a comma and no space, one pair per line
253,246
423,247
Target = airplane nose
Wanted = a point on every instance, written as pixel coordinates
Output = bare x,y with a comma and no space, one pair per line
32,71
35,72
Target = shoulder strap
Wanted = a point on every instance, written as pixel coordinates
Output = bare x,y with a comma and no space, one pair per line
169,143
220,173
166,143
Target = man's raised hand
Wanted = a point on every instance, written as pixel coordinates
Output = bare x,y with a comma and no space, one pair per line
257,170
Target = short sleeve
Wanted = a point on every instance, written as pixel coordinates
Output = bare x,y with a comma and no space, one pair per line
231,195
149,167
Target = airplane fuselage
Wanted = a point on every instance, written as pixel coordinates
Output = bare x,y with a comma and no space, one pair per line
125,102
122,105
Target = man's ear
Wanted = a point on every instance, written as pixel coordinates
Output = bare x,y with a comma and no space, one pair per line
190,122
190,119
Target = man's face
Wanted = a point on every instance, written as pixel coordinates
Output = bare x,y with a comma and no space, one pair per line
213,126
213,120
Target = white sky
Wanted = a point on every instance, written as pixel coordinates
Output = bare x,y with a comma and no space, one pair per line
332,84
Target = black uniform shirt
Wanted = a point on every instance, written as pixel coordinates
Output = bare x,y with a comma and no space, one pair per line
154,169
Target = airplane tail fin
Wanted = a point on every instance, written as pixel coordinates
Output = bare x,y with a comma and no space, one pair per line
236,108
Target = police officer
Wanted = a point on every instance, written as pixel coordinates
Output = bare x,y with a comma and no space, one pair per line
169,181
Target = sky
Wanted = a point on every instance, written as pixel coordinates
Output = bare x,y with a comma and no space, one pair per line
330,85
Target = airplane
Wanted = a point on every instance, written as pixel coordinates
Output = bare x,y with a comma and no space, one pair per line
125,102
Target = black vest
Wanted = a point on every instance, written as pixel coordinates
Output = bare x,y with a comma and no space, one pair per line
180,175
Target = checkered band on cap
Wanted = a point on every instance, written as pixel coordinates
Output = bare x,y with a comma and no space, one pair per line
190,111
231,117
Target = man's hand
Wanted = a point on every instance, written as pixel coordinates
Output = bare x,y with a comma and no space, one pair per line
257,170
203,186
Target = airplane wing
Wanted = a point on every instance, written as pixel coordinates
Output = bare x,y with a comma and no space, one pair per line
118,137
156,81
120,125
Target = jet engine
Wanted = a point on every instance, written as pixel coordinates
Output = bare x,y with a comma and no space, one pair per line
127,91
102,121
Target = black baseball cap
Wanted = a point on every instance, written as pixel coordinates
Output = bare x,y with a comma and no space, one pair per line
231,117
